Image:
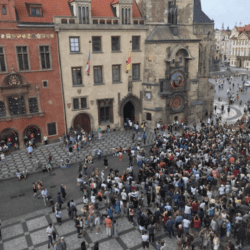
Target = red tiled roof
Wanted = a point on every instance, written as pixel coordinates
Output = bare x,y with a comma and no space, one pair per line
115,1
50,8
245,28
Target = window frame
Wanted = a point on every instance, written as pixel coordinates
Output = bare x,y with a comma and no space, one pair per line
138,43
96,51
73,77
79,102
26,108
40,58
98,83
119,43
110,107
148,115
4,9
117,81
35,6
47,83
73,37
48,129
33,97
28,57
133,79
4,59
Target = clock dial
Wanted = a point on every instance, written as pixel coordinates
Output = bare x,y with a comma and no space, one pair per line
176,103
177,80
148,96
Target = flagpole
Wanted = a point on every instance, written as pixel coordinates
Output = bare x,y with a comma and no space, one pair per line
89,55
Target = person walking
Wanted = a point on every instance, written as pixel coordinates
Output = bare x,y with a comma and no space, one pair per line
98,152
97,224
144,136
58,214
145,239
30,150
115,230
108,223
63,192
44,194
84,245
59,200
63,244
151,232
49,232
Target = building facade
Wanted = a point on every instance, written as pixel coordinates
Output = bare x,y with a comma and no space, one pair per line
178,52
223,45
108,36
31,103
240,47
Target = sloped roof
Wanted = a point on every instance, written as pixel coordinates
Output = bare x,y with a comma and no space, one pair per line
199,15
244,28
163,33
50,8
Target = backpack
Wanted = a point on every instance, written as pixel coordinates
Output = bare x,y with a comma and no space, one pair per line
211,212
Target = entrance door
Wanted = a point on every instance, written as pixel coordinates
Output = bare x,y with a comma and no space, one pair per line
8,135
129,111
31,132
82,121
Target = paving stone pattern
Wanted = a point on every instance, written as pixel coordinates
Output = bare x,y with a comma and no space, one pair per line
29,232
20,159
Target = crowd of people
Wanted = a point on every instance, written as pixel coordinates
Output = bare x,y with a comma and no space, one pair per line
195,186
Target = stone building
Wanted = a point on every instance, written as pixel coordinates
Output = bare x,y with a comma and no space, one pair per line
178,52
240,47
103,33
223,45
31,103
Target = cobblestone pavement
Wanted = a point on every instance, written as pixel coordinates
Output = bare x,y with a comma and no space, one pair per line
28,233
19,159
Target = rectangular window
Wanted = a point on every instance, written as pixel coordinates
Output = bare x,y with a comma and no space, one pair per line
98,75
136,71
105,110
135,43
33,105
45,57
74,44
116,73
75,103
2,109
97,43
2,60
148,117
83,102
35,11
115,43
16,105
22,56
52,129
45,84
77,76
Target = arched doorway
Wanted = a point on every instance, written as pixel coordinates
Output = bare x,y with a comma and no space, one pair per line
32,132
82,121
9,136
129,111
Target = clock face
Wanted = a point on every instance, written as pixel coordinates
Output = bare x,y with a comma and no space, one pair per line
177,80
176,103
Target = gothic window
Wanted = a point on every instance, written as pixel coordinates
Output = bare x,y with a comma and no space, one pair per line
2,60
4,11
126,15
33,105
45,57
2,109
16,105
22,56
83,14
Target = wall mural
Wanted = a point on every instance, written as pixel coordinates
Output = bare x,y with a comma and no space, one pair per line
27,36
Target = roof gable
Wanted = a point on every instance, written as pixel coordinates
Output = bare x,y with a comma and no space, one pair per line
243,36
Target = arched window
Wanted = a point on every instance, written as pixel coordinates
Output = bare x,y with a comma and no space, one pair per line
4,11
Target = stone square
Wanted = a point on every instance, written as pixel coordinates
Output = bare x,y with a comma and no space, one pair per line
39,236
123,224
66,228
73,242
131,239
17,244
96,237
37,223
111,244
12,231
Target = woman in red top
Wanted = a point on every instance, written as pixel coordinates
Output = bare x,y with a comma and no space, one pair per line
195,206
197,223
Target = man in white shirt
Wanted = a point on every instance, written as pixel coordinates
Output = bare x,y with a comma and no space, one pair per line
49,232
186,224
44,194
145,239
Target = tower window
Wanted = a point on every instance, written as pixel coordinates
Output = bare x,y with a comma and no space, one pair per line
4,11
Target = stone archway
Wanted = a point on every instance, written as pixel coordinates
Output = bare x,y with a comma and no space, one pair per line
32,131
130,103
82,120
9,135
129,111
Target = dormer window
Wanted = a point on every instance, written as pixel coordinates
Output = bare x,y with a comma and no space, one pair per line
126,15
4,11
83,14
35,10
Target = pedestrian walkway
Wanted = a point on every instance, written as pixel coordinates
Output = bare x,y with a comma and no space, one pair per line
20,159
